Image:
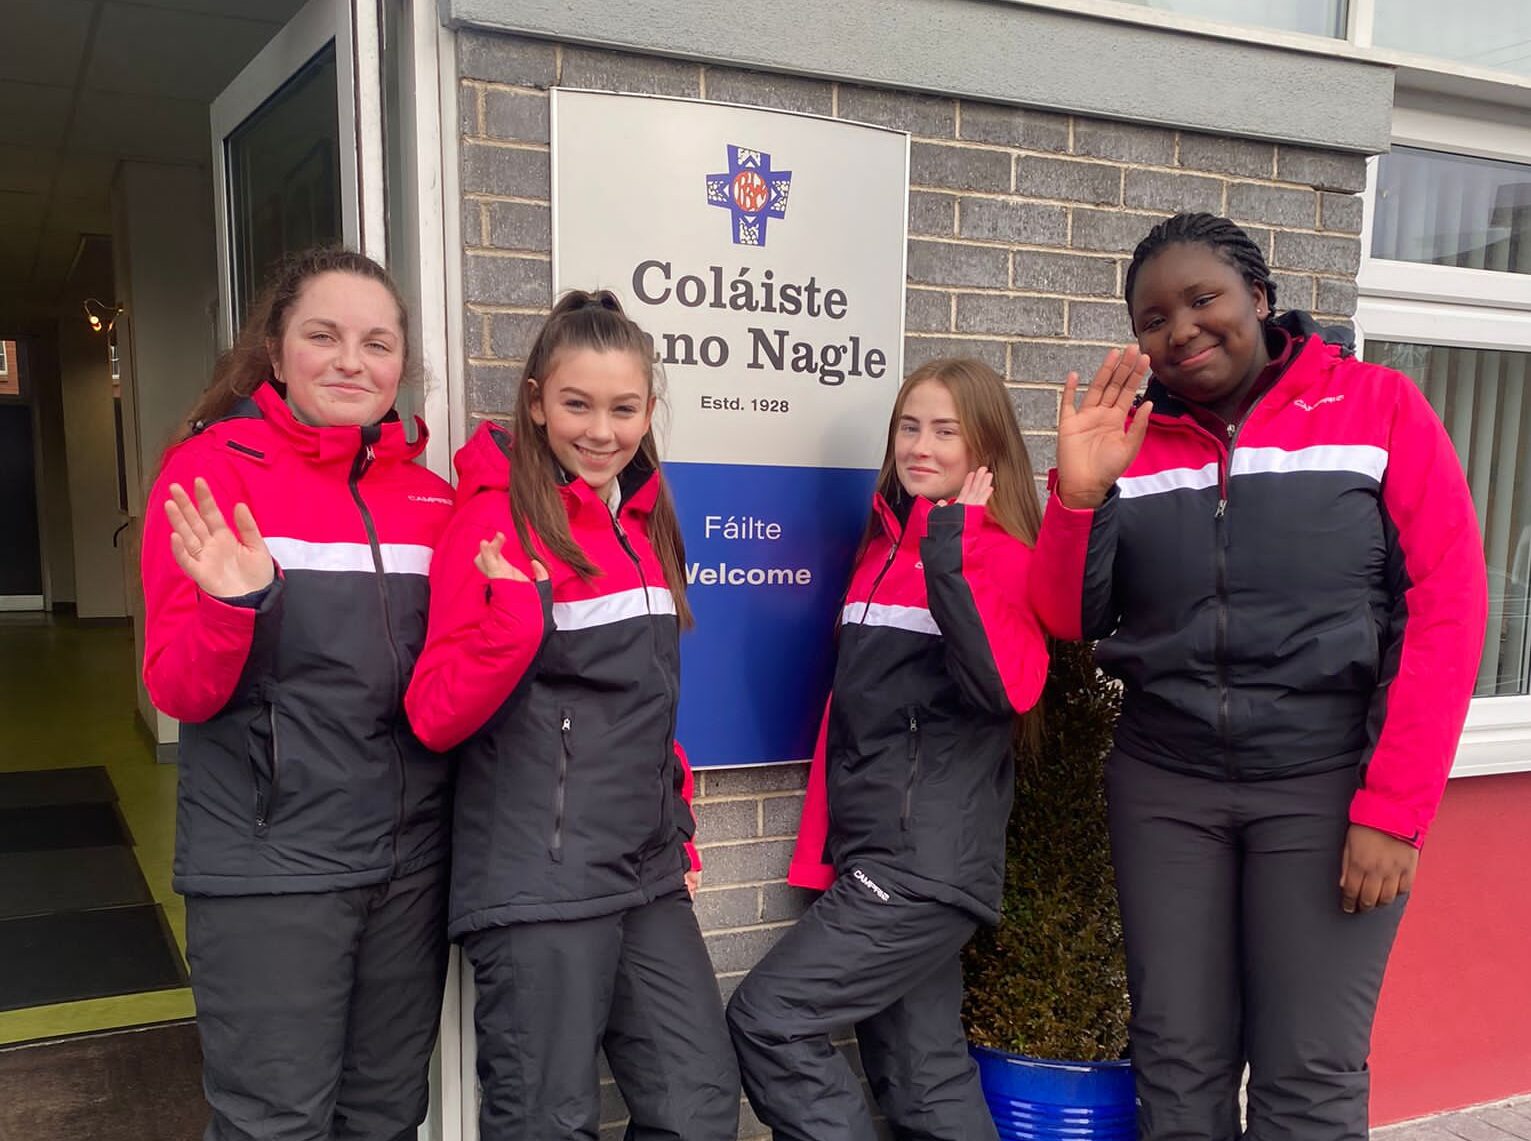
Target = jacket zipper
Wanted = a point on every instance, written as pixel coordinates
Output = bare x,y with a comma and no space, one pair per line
914,767
560,794
359,467
669,758
264,800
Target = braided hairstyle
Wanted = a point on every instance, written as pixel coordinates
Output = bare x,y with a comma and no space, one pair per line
1219,235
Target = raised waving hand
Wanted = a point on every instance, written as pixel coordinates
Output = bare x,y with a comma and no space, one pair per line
1095,442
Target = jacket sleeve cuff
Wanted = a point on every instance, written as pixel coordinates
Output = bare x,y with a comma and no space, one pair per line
1373,811
811,874
237,614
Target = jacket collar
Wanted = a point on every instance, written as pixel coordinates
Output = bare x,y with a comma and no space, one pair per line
907,513
335,445
638,482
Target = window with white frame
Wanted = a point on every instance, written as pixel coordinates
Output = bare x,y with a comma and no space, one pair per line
1445,296
1314,17
5,358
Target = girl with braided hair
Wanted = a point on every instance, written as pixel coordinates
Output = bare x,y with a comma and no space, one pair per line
1276,549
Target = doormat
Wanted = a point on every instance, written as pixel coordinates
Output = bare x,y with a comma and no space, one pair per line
126,1085
70,955
69,879
53,826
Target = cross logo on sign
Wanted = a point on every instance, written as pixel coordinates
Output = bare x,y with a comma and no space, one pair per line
752,192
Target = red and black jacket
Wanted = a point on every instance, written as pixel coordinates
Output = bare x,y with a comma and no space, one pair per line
1301,595
938,652
572,795
298,769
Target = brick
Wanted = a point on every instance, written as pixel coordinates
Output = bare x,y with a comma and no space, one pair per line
949,263
1099,321
1322,170
511,334
1318,252
468,99
927,311
1293,290
601,70
507,281
727,907
1261,237
1064,273
1037,362
904,111
727,820
1036,409
520,226
918,350
741,950
472,222
512,171
959,168
1336,295
506,59
780,902
780,815
1124,142
1111,231
1277,205
997,219
1156,190
746,863
1068,179
1009,316
1217,154
763,89
492,387
932,213
1014,127
756,779
1341,212
516,116
1041,450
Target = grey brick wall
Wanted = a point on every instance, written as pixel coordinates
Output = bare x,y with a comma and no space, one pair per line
1021,222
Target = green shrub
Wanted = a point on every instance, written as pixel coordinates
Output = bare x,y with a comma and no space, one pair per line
1050,982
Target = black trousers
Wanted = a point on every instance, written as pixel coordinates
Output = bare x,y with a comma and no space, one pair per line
1238,952
639,983
318,1012
872,954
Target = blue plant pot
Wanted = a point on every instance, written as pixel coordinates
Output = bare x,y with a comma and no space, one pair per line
1033,1099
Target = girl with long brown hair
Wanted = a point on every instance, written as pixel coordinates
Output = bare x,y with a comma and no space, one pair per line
911,783
553,659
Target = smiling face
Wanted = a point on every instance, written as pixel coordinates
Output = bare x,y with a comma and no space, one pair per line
1200,322
596,407
341,352
929,451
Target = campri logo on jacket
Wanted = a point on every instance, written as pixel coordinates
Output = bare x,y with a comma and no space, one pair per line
752,192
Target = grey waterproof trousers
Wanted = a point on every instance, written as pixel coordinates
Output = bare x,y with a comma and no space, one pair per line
1238,952
871,953
318,1011
638,983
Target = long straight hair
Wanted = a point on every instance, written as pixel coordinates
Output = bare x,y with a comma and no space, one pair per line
595,321
986,420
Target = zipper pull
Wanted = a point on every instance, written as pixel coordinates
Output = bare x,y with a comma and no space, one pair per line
914,723
1233,430
565,727
1222,508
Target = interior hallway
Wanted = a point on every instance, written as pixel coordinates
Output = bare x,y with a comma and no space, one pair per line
67,694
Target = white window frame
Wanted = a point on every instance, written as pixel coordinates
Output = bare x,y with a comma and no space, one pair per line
1355,44
5,361
1462,308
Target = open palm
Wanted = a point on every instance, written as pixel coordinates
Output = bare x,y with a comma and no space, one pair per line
1095,442
225,562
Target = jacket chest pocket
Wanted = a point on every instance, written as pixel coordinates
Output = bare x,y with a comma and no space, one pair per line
561,788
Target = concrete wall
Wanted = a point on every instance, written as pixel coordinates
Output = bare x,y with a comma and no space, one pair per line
1020,225
90,437
164,252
